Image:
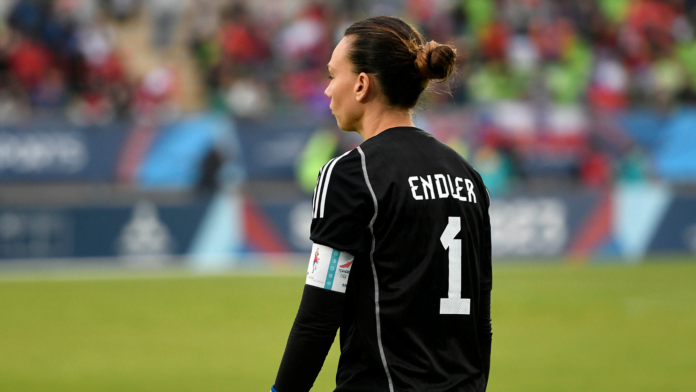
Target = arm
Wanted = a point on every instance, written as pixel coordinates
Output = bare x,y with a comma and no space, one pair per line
317,320
341,213
310,339
485,334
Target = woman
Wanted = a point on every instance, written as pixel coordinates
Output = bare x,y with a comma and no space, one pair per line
401,226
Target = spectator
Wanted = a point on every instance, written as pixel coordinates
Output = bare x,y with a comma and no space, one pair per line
596,170
123,9
494,168
28,62
59,54
165,16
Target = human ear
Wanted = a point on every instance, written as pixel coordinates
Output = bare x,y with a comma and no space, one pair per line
362,87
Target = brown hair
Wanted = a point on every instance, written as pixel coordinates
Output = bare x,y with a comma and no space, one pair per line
397,55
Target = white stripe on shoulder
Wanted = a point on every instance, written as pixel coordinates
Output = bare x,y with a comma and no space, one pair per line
314,198
317,190
326,183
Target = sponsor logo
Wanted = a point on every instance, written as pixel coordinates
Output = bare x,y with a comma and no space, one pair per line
330,273
315,262
35,234
526,227
145,234
300,219
347,265
43,152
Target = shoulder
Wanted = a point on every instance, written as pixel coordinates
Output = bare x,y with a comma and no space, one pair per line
479,182
341,177
346,165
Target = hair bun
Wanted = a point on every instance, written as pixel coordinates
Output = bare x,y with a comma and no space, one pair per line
435,61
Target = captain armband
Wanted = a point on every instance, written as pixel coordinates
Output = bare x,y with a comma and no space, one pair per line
329,268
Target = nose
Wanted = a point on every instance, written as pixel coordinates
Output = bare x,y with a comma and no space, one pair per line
326,92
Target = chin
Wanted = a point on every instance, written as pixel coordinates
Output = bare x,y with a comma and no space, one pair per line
338,123
350,127
342,128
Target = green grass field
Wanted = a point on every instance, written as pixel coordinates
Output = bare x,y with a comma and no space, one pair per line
556,328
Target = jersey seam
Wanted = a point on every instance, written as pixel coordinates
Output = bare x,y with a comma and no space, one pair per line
374,272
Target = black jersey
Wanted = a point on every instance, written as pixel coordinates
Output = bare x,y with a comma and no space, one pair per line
414,215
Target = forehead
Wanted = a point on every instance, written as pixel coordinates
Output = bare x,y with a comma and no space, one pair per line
339,58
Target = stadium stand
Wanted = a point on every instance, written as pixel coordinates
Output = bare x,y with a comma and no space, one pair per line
116,101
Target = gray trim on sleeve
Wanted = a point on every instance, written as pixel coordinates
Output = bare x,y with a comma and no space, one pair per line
374,273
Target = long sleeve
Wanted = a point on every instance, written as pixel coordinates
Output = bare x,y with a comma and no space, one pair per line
342,209
312,334
485,331
485,328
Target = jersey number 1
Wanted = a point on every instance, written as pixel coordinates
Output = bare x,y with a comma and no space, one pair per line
454,303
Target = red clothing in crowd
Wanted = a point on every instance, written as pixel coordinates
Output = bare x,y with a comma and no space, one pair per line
29,62
596,170
239,43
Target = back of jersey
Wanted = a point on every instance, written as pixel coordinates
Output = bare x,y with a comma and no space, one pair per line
412,318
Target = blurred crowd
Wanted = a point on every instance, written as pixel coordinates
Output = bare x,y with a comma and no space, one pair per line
541,75
266,59
270,56
607,54
548,79
60,56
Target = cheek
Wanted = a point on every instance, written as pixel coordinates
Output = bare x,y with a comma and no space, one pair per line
345,110
339,94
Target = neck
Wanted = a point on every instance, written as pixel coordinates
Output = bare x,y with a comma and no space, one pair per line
375,122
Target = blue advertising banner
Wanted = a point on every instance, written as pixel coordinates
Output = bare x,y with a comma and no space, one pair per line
175,159
36,233
522,226
677,231
271,148
675,159
292,218
56,150
538,225
141,229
